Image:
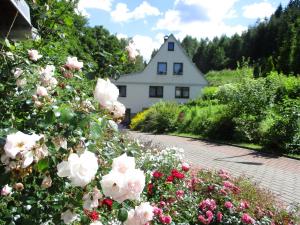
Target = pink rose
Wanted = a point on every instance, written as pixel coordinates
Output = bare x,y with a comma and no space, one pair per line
247,219
180,193
6,190
228,205
219,217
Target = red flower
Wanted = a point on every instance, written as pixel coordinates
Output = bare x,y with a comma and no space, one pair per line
93,215
170,179
177,174
157,174
185,167
108,202
150,189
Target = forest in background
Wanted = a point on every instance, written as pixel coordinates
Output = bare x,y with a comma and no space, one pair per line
270,45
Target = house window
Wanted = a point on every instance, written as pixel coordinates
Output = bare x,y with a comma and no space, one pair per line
156,91
178,68
170,46
182,92
162,68
122,90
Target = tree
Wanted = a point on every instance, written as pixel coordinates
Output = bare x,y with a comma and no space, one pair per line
190,45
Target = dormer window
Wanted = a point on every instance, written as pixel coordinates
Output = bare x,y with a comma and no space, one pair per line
162,68
170,46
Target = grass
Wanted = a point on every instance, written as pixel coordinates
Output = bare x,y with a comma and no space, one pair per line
251,146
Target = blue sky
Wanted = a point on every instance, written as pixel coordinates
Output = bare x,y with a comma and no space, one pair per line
147,21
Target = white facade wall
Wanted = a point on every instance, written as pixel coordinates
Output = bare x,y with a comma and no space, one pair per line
137,85
137,96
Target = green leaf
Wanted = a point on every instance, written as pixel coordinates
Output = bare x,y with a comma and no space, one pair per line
122,215
50,117
42,165
66,114
68,21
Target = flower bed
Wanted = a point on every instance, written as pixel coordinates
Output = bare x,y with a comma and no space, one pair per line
64,161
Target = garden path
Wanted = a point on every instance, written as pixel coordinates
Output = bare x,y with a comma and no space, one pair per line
281,175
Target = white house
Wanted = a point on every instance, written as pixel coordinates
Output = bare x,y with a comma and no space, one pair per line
169,76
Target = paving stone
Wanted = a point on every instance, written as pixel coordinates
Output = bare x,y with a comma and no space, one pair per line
281,175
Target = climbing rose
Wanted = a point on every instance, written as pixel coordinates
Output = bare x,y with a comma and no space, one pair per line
73,63
91,200
132,52
34,55
106,93
17,73
41,91
141,215
117,109
124,181
19,143
6,190
80,169
123,163
68,217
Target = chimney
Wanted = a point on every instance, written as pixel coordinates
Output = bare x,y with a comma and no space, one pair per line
166,38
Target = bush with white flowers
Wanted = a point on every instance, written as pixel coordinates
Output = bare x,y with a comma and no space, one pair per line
63,160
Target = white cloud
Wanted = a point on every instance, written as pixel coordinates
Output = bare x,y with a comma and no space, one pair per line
120,36
145,44
210,28
122,13
215,10
94,4
258,10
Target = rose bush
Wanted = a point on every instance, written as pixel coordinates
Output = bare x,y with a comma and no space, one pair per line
63,160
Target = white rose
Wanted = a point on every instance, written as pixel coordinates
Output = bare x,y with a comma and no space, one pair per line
132,52
68,217
134,184
141,215
113,186
117,108
91,200
41,91
53,82
106,92
73,64
6,190
21,82
19,142
123,163
34,55
96,223
48,71
17,73
79,169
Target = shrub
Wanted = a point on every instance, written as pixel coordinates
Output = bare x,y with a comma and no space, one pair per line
160,118
137,122
281,127
213,121
246,128
209,93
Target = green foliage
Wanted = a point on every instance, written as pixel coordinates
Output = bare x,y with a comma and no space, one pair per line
160,118
218,78
263,111
270,44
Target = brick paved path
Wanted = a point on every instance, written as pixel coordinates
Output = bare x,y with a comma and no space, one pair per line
281,175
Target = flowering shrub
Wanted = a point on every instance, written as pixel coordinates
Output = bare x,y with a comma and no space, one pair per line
63,160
